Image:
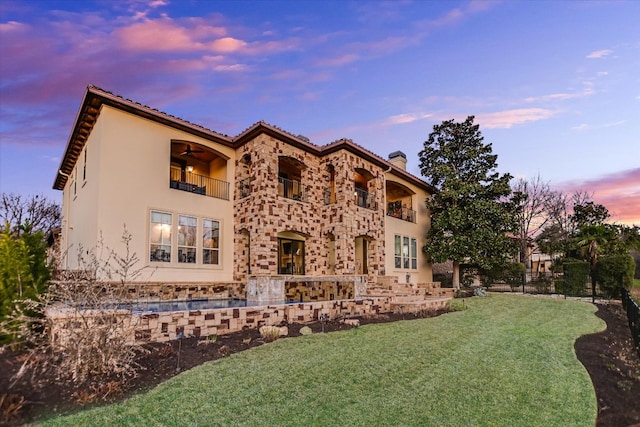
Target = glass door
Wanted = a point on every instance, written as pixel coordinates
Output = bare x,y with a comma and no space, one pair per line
290,256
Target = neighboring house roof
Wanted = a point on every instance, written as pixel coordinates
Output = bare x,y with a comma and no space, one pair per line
95,98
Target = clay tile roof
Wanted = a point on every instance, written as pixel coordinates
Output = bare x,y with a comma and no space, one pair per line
96,97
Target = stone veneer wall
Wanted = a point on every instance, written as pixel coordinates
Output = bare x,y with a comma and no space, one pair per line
185,291
318,291
160,327
259,217
161,291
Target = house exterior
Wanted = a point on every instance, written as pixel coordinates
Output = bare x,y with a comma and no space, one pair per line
203,207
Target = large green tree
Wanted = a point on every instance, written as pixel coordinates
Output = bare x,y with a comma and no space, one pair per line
473,213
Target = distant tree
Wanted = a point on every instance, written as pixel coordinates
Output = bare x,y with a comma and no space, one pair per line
534,195
588,213
40,213
473,212
594,238
556,236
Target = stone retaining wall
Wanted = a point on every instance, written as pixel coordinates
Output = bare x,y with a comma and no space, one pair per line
160,327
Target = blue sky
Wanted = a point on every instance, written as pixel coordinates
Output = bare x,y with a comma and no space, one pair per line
554,85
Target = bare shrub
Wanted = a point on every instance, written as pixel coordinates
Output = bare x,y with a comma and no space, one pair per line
270,333
94,393
10,407
84,332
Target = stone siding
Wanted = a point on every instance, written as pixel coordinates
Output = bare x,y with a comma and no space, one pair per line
260,213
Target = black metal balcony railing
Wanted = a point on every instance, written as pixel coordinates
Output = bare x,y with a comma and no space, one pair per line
365,199
199,184
244,188
291,189
402,213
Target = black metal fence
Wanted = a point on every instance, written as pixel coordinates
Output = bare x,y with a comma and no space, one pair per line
633,314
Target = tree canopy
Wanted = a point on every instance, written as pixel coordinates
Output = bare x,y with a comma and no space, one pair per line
474,211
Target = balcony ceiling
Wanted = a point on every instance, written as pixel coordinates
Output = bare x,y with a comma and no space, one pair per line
191,150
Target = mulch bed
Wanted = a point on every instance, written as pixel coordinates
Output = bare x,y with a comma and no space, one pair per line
608,356
614,367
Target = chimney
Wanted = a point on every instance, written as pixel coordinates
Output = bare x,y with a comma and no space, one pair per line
398,159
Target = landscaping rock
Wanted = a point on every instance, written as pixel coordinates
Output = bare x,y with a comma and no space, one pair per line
305,330
352,322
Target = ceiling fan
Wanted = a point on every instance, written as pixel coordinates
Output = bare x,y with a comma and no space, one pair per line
190,152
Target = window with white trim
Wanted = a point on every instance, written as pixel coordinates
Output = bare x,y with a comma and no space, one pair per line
187,237
405,252
187,232
160,237
210,242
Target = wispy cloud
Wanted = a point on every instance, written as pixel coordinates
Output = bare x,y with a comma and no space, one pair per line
585,127
618,192
508,118
401,119
599,54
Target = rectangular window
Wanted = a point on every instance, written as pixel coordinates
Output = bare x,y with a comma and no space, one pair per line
210,242
84,167
160,237
405,252
187,231
414,254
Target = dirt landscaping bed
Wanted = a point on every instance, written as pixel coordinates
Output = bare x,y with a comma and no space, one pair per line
608,356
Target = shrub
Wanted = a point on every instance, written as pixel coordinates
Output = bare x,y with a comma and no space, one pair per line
456,305
24,276
446,280
95,339
576,277
514,274
614,271
479,292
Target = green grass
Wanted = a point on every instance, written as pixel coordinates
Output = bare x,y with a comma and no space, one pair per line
636,283
506,360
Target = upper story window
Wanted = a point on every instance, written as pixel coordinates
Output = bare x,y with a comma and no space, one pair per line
400,202
330,191
84,166
363,193
290,178
198,169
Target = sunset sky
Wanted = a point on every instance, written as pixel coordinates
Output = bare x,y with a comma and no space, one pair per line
554,85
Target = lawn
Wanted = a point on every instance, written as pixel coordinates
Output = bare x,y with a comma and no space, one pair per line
506,360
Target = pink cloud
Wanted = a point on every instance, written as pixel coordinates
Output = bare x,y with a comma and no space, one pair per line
509,118
166,35
618,192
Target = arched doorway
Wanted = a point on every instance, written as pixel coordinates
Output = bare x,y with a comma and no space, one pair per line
291,253
362,254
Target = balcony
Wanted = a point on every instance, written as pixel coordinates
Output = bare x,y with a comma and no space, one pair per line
365,199
291,189
199,184
401,212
